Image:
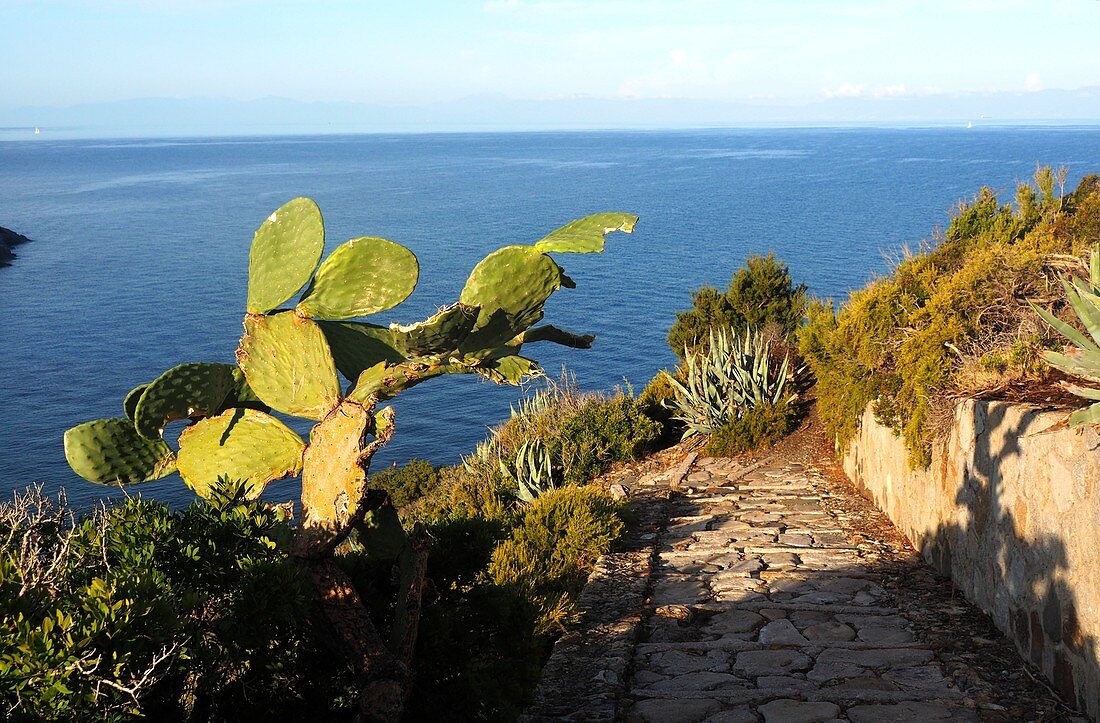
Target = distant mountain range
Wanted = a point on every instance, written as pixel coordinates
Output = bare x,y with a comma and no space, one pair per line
202,116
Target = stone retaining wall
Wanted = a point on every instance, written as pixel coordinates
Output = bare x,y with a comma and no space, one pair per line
1011,512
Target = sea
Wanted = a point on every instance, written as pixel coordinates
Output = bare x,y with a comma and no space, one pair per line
140,248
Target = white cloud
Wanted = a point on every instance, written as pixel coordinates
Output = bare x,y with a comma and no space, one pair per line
845,90
1033,83
893,91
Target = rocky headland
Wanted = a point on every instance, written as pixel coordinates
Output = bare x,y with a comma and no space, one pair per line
8,240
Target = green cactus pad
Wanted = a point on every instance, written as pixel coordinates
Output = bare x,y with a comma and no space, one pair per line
363,276
549,332
510,285
130,403
110,451
441,333
357,346
586,235
187,391
241,395
285,251
241,444
510,370
288,364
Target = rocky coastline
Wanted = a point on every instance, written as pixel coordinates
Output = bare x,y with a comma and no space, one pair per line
8,240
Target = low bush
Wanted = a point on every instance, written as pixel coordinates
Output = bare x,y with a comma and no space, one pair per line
553,547
761,295
953,317
760,426
406,484
137,611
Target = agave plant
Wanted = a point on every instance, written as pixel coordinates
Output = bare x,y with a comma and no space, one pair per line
534,474
733,374
1082,359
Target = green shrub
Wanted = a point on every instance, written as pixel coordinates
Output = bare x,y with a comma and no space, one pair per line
761,294
907,342
135,611
604,430
555,544
585,433
654,400
760,426
406,484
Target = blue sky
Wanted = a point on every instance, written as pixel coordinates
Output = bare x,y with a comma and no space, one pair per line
65,52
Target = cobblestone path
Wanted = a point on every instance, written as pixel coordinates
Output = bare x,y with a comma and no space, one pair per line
764,610
773,592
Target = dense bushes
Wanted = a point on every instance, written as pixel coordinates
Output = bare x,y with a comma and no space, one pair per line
137,610
201,614
761,295
762,425
952,320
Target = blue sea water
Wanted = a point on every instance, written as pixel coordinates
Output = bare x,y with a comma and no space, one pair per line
140,248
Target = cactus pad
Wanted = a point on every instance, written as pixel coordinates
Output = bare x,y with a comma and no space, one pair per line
195,389
363,276
285,251
241,444
129,404
357,346
549,332
110,451
510,285
510,370
439,334
585,235
288,364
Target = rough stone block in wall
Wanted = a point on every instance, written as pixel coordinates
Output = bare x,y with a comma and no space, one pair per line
1009,508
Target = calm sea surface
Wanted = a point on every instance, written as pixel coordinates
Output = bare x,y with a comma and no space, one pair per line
140,248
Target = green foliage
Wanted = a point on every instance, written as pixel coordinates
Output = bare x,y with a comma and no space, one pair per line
908,342
732,374
584,433
603,431
761,294
551,550
759,426
406,484
139,611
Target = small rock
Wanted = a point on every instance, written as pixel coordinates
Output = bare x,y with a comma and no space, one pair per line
781,632
913,711
753,663
674,710
678,612
618,492
829,632
794,711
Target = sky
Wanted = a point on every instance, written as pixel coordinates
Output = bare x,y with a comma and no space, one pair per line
67,52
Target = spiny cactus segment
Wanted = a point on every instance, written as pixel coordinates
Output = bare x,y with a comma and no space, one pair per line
361,277
285,252
291,360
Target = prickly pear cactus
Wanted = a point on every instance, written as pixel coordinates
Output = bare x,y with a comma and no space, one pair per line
291,360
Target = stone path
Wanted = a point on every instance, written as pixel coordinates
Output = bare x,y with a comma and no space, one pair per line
762,609
773,592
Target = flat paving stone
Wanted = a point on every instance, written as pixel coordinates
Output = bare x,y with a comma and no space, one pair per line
793,711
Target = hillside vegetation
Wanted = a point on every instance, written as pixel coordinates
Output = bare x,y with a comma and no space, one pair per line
953,320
